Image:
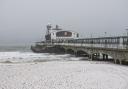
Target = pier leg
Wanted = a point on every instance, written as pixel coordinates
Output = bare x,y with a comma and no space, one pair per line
120,62
106,57
65,51
115,61
98,56
90,57
76,54
103,56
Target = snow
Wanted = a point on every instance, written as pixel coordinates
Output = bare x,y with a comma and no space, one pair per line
63,75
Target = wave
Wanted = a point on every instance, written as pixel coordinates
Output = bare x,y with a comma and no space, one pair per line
17,56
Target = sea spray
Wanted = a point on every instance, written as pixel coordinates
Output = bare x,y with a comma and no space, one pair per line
17,56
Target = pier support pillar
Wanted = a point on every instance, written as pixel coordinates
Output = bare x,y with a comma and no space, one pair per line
115,61
97,56
120,62
65,51
103,56
106,57
90,57
76,54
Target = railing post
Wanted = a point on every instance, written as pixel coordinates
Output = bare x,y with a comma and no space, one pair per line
127,39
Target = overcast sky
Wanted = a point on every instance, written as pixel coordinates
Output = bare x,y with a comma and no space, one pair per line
23,21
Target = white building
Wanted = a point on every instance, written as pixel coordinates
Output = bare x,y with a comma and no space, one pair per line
57,34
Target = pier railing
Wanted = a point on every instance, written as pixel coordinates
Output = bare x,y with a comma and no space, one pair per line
120,42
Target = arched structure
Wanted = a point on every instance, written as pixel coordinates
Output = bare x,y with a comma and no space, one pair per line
70,51
81,53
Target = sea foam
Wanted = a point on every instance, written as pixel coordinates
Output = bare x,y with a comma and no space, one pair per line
11,57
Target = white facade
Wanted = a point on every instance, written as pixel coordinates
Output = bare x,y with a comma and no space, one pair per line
74,35
57,34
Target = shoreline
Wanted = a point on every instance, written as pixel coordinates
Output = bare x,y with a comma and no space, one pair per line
44,61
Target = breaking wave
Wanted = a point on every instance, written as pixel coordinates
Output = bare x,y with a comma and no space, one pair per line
18,57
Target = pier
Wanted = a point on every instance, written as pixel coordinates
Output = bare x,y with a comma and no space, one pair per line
57,40
93,48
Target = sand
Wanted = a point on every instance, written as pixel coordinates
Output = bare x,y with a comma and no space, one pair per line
63,75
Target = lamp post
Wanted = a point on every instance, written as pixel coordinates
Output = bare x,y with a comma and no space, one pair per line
127,32
105,39
105,34
91,41
127,39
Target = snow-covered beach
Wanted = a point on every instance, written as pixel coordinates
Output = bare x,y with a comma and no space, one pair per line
63,75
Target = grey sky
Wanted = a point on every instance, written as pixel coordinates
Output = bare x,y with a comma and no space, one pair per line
24,21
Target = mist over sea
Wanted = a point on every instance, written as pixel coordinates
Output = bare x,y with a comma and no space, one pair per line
23,54
13,48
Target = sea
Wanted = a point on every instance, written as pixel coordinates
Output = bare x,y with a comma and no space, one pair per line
23,54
